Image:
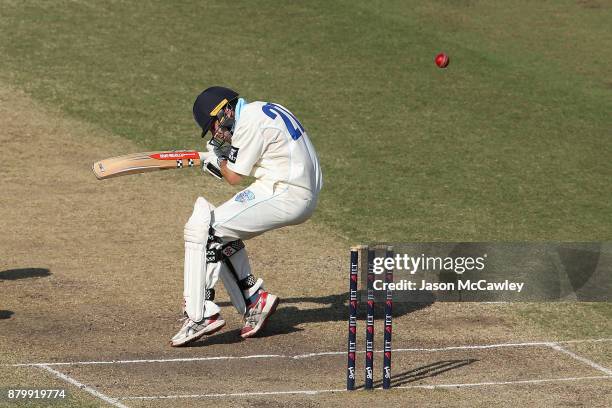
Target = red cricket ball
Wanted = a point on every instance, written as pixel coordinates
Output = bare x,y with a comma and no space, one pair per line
442,60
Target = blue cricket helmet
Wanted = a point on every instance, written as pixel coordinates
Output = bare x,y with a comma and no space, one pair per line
209,103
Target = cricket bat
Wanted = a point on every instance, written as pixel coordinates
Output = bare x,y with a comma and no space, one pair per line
150,161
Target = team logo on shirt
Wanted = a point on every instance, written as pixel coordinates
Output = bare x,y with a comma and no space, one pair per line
233,154
244,196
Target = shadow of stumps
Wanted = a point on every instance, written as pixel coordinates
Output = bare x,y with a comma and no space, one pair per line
426,371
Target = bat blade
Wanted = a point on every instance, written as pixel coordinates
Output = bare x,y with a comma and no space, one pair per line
146,162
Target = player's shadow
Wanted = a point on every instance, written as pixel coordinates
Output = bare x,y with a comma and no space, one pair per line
426,371
6,314
21,273
24,273
223,337
333,308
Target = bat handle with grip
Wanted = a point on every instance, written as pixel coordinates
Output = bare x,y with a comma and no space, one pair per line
205,155
207,164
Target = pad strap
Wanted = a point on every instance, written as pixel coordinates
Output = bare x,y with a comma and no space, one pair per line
226,251
247,282
209,294
211,236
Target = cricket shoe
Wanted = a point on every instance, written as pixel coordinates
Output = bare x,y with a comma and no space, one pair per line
258,314
191,331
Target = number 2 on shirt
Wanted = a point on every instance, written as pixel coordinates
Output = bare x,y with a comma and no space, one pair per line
271,110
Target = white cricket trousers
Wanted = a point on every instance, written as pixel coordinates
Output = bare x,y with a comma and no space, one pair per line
259,208
262,207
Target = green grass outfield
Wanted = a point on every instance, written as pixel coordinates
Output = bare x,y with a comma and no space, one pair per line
511,142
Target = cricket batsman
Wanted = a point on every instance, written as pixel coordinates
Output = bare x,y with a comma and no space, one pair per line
267,142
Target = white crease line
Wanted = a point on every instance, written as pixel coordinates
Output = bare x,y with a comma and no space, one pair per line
235,394
482,384
480,347
325,353
466,347
167,360
112,401
309,355
429,350
315,392
582,359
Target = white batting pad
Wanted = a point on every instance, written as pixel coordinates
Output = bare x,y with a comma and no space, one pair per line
194,279
240,261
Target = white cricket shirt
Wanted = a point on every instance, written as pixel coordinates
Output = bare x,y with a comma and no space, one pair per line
270,144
